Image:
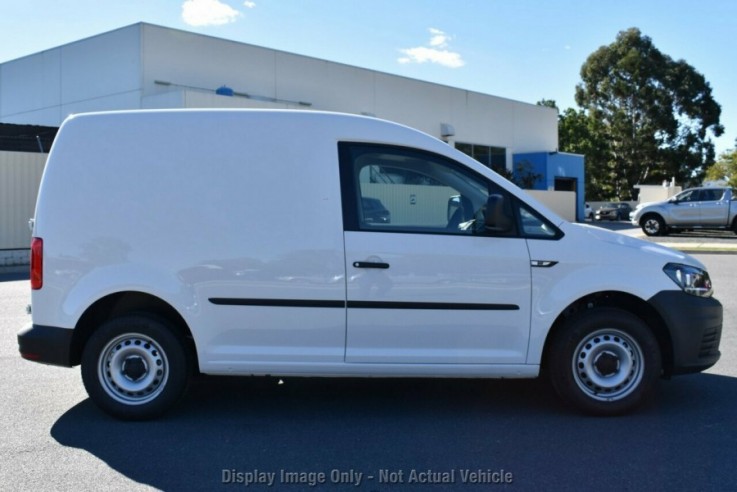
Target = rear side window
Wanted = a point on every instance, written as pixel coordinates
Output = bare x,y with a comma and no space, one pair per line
713,195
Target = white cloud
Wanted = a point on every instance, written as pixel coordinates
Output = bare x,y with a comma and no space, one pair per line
248,4
423,54
439,39
436,52
208,13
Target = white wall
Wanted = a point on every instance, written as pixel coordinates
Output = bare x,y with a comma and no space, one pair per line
94,74
189,61
562,203
656,193
119,70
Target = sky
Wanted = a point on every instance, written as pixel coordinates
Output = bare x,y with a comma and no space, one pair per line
526,50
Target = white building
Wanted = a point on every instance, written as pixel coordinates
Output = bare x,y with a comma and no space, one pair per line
148,66
145,66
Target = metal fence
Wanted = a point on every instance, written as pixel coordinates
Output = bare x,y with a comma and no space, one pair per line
20,177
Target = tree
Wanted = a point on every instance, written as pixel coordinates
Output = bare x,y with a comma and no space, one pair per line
656,115
725,168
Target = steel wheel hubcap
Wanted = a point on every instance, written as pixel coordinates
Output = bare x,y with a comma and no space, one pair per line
133,369
608,365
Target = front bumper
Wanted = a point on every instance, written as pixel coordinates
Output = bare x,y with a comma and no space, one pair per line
46,344
695,327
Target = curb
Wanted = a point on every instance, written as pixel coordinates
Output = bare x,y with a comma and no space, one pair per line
683,248
697,248
704,247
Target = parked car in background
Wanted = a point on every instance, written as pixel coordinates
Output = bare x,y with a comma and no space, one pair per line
613,211
696,208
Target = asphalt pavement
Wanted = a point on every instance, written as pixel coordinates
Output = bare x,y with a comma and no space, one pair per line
366,435
513,435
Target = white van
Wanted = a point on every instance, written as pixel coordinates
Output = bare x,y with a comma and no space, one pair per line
239,242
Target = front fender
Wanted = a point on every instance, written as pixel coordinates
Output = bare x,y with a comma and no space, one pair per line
660,210
590,260
554,294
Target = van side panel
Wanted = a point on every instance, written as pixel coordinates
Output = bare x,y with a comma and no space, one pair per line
196,206
232,217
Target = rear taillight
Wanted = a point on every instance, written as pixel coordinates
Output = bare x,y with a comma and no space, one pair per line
37,263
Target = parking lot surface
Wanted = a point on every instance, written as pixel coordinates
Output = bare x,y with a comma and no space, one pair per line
229,429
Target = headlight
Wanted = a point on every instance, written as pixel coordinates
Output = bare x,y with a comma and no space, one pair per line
692,280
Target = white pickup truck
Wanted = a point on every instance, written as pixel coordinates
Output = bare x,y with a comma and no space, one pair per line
695,208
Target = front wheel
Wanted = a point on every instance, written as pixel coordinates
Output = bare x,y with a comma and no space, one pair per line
604,361
653,225
135,367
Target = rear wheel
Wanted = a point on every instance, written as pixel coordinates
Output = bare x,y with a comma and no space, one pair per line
135,367
653,225
604,361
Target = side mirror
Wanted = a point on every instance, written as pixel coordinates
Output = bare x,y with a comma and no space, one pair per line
496,218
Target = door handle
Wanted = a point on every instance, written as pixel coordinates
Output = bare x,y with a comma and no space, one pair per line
370,264
543,263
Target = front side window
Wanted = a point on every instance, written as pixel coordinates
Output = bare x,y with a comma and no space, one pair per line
397,189
688,196
403,190
534,226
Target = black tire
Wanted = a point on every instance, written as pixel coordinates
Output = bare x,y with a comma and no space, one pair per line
135,367
653,225
604,361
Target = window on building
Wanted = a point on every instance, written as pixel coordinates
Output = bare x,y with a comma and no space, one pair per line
491,157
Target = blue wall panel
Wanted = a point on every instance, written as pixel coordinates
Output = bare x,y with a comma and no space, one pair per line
551,165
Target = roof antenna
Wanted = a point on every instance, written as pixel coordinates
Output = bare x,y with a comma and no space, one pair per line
40,145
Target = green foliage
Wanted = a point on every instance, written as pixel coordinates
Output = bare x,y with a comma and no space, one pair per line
523,175
644,117
725,168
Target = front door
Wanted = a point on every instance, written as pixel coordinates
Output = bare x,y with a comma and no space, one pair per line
424,284
685,211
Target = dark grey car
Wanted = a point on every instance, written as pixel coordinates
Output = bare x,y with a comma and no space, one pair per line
613,211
